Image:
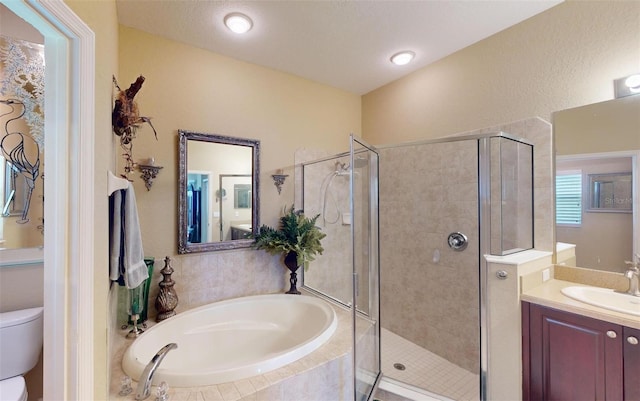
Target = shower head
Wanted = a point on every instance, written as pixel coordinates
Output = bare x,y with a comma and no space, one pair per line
342,168
359,162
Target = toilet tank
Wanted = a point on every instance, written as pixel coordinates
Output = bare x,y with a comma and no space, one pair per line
20,341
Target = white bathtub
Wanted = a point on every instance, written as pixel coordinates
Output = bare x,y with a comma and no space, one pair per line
233,340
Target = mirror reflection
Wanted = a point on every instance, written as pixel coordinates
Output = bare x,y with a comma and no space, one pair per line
597,156
610,192
218,191
21,143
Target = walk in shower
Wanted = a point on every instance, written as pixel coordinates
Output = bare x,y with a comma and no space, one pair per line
443,204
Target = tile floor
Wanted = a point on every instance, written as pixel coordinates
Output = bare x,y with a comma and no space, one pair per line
426,370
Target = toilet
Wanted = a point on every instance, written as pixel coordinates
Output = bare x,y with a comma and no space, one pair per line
20,346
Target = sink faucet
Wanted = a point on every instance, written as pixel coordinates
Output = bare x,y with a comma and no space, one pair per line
144,383
633,274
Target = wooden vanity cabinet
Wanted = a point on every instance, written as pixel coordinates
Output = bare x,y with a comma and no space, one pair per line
631,364
572,357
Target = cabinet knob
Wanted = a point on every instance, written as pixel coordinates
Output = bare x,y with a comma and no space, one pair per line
611,334
502,274
632,340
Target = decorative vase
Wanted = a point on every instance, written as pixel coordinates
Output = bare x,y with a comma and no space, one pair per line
291,261
167,299
142,317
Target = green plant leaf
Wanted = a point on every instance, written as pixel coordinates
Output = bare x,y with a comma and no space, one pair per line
296,233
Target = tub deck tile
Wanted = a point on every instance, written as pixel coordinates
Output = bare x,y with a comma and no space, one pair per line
273,377
271,393
285,371
244,387
175,394
229,392
259,382
211,393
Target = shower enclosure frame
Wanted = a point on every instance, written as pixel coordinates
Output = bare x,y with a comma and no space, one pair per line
484,234
484,216
373,265
374,260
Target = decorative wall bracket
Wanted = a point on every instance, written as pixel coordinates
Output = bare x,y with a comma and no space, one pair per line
149,173
278,181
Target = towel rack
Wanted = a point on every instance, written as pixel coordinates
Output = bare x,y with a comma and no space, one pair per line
115,183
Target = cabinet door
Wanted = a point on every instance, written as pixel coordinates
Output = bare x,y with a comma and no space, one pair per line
631,364
573,357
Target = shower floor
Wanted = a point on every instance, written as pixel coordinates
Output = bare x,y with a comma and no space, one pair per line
426,370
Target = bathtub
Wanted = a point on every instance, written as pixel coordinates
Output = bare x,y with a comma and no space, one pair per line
234,339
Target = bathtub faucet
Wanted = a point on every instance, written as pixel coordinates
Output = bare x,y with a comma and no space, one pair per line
144,383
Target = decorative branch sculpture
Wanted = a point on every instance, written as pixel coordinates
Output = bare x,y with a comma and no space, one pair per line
126,119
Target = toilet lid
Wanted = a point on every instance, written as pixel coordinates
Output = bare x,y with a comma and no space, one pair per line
13,389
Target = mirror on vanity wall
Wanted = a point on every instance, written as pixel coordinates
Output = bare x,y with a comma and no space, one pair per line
597,181
218,197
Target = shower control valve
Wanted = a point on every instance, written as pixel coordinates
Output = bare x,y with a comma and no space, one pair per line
457,241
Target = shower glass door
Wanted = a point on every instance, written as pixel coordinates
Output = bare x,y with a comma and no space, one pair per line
363,219
342,190
430,287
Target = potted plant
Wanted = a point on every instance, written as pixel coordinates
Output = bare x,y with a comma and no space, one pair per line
297,238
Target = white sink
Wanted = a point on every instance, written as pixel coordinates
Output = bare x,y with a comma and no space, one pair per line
605,298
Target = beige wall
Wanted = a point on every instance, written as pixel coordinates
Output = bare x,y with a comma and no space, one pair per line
101,18
192,89
609,126
565,57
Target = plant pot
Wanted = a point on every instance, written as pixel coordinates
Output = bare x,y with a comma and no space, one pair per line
292,264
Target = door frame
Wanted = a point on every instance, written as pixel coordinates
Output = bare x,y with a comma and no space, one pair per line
68,353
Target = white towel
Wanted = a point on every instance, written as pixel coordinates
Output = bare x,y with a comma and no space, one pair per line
126,254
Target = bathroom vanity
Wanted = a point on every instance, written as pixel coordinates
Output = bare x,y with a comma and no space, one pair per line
575,351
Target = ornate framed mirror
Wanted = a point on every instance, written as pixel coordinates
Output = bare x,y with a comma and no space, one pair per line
218,192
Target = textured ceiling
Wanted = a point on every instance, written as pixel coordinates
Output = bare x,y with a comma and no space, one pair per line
345,44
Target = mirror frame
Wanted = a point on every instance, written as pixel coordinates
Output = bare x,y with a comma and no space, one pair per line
184,246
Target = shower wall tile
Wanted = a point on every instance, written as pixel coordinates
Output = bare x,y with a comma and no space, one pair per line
427,192
538,132
327,194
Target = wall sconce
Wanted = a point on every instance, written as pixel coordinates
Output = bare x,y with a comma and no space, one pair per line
278,180
627,86
149,172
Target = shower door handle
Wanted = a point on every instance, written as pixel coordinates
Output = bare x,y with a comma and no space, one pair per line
457,241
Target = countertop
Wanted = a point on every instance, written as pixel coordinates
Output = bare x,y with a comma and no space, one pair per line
548,294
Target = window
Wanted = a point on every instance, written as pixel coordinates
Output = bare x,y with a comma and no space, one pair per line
569,198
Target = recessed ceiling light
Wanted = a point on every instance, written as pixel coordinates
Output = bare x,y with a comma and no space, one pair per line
403,57
238,23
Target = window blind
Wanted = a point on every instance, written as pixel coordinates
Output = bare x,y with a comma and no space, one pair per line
569,199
